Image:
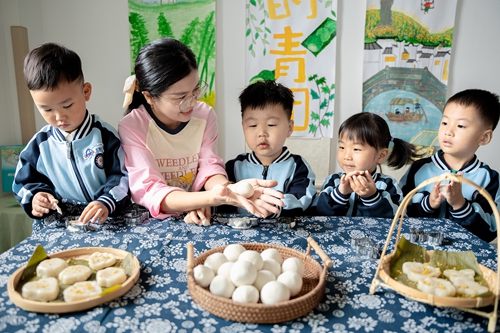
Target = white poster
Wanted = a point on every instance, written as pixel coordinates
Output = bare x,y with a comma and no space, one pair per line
294,42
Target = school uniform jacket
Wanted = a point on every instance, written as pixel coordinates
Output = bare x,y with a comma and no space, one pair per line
294,176
475,215
89,168
384,203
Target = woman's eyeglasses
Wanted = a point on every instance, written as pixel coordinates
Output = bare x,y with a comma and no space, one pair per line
188,100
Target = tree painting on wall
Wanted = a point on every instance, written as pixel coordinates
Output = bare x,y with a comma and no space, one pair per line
190,21
407,53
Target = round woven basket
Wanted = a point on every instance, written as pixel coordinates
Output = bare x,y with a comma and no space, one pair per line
383,278
312,291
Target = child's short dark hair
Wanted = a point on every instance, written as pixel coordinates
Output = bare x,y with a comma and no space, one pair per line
263,93
487,104
371,129
46,66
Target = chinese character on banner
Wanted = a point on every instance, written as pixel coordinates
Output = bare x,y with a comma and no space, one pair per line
407,53
293,42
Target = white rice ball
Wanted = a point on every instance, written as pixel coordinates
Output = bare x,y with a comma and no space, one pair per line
253,257
292,280
203,275
293,264
273,266
225,269
274,292
273,254
243,272
246,294
222,286
233,251
214,261
263,277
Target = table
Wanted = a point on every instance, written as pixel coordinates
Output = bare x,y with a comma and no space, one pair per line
15,225
160,301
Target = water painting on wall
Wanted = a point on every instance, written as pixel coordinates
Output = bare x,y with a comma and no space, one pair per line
407,52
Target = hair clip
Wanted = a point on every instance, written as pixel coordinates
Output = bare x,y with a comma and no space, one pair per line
129,88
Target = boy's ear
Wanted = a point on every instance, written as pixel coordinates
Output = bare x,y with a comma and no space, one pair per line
382,155
487,136
87,91
290,128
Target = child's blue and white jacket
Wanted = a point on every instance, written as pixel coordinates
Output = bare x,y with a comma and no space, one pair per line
90,167
384,203
292,172
476,215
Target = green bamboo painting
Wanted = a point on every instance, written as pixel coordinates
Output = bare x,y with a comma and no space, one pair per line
190,21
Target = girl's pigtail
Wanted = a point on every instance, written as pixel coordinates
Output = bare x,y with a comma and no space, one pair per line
402,154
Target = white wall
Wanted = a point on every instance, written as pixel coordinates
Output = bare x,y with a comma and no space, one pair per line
98,31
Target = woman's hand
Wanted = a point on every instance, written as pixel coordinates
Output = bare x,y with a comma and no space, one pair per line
199,216
264,196
262,203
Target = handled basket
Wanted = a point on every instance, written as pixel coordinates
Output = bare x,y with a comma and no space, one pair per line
312,291
383,278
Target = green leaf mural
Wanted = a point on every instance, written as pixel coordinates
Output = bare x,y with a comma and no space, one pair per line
323,97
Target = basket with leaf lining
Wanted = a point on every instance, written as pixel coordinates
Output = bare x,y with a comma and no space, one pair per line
384,278
313,288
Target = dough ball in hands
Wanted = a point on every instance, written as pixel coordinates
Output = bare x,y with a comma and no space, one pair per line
50,267
272,253
263,277
274,292
43,290
225,269
273,266
244,189
203,275
246,294
253,257
292,280
293,264
214,261
243,272
233,251
222,286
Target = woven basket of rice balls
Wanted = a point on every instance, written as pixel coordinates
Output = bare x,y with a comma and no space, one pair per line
305,300
451,266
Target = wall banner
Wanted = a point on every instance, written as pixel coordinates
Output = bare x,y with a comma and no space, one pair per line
191,22
293,41
408,46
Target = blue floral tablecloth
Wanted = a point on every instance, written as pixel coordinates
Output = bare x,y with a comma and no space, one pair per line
160,300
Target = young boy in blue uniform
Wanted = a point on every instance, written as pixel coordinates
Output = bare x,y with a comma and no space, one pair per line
266,110
75,159
469,119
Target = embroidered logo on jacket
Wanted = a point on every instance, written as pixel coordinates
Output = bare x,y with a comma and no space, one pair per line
93,151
